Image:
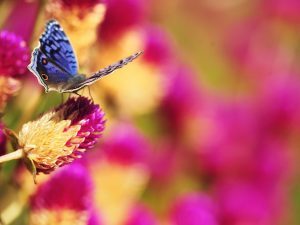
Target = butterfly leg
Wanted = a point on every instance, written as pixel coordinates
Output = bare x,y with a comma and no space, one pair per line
76,93
90,93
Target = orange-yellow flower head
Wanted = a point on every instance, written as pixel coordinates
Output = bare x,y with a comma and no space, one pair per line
62,135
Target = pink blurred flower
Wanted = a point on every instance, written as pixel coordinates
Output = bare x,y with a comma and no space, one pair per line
194,209
183,100
241,203
242,137
66,196
14,54
94,218
227,148
140,215
256,50
284,9
126,145
120,17
157,46
277,108
163,164
82,4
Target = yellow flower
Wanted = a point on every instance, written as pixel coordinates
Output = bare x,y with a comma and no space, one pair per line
80,20
59,136
135,90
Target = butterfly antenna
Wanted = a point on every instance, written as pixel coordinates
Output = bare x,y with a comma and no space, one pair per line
109,69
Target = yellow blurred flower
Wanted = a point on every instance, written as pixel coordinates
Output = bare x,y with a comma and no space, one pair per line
134,90
119,188
80,21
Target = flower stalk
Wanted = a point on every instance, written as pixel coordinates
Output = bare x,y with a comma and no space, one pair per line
18,154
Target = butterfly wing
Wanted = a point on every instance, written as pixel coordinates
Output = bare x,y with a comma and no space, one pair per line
56,46
53,62
103,72
48,74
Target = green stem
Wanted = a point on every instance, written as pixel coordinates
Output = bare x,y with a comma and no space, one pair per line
11,156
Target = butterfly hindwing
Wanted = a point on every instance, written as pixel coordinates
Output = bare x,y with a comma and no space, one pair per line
48,74
56,46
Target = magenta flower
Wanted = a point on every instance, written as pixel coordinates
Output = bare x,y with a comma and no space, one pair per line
245,204
126,145
84,5
230,140
67,196
140,215
279,121
284,9
163,164
61,135
94,218
157,46
183,101
256,50
194,209
14,54
120,17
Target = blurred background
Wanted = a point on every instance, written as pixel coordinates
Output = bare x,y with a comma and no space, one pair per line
203,128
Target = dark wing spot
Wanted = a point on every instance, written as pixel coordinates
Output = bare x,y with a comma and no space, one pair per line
44,76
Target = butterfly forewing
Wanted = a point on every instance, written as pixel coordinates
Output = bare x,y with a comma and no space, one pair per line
56,46
54,63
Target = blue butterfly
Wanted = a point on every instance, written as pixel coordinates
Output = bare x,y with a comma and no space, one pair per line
54,63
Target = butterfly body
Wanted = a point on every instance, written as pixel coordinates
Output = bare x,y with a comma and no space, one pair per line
54,63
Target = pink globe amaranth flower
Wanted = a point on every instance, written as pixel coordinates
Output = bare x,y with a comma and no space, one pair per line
243,203
14,54
256,50
285,9
62,135
120,17
140,215
126,145
163,164
277,108
157,46
183,100
274,167
194,209
227,147
94,218
66,196
84,5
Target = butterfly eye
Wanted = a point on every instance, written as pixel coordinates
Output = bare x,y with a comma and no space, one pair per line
44,76
44,61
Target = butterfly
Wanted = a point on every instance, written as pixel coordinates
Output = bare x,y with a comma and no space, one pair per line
55,65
